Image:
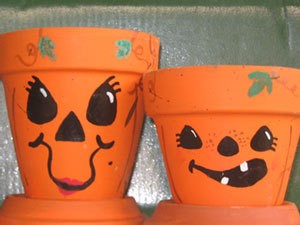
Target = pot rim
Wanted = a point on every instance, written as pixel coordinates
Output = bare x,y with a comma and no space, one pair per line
197,90
79,48
125,30
219,65
228,112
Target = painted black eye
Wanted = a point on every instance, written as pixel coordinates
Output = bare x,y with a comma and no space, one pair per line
41,107
263,140
188,138
102,107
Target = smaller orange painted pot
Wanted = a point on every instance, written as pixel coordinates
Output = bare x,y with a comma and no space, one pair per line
75,108
228,133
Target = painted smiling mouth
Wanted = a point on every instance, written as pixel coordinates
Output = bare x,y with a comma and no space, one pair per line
68,186
246,174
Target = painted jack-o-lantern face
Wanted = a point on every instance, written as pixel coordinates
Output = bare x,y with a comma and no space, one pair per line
42,108
223,160
77,133
74,102
247,173
228,133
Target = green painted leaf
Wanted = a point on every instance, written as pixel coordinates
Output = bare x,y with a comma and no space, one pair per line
46,47
260,81
259,75
124,48
256,88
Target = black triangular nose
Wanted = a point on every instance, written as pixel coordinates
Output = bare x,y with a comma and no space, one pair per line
228,146
70,129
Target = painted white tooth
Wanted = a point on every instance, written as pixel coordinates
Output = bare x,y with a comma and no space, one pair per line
244,167
225,180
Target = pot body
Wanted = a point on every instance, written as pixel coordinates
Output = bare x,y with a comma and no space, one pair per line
75,107
228,133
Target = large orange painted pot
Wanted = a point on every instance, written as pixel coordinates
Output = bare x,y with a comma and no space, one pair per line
75,108
228,133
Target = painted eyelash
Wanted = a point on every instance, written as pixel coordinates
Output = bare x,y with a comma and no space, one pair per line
178,135
32,84
274,143
114,84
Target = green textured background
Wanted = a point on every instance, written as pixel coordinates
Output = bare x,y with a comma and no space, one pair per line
191,32
34,3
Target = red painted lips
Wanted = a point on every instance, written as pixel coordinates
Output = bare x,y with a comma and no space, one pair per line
70,182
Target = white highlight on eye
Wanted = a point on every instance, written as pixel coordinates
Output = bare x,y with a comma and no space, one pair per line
244,167
43,92
194,133
110,96
268,135
225,180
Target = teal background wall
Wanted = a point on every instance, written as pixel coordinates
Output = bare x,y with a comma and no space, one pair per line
191,33
35,3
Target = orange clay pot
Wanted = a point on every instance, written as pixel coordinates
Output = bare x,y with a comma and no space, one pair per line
75,108
228,133
168,212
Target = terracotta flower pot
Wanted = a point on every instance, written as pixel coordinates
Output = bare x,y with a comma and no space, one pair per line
228,134
75,108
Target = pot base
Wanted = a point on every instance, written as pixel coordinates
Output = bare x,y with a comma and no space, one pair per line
169,212
19,210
